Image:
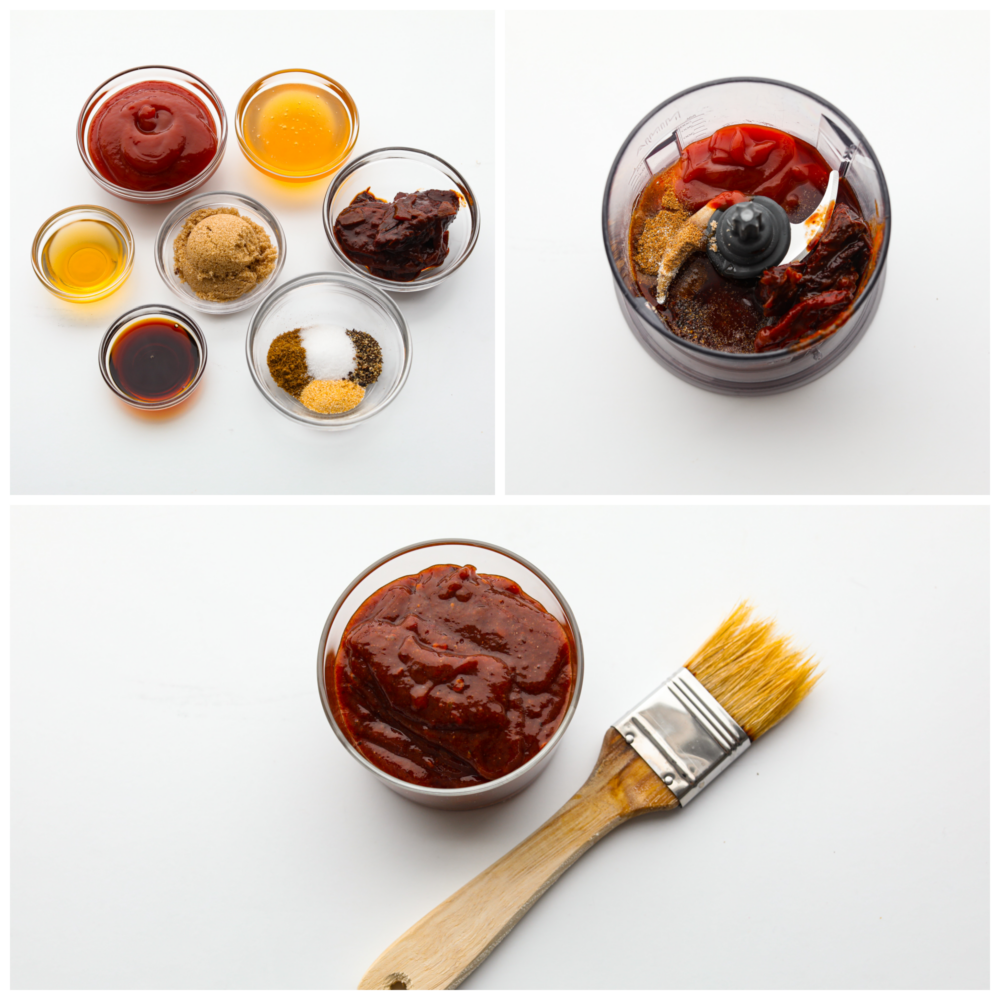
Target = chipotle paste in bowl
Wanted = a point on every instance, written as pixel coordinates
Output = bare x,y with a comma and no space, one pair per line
450,678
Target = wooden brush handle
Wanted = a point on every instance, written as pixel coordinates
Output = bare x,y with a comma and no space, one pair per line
440,950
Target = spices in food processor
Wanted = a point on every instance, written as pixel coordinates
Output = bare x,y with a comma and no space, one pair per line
152,136
222,254
707,236
450,678
397,239
84,257
154,360
331,396
325,368
297,130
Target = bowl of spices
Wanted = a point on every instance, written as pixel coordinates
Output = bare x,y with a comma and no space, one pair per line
152,134
153,357
401,218
296,124
450,670
328,350
746,223
83,253
221,252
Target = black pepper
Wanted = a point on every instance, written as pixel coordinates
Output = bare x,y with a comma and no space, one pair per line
367,358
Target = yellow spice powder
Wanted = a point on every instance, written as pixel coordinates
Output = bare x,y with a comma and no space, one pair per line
328,396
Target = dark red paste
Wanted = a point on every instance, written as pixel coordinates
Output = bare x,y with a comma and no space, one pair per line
787,303
152,136
397,239
450,678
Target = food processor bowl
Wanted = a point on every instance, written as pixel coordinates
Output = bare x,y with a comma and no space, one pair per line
657,142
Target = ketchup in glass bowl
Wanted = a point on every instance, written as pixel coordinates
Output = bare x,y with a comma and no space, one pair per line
451,669
152,134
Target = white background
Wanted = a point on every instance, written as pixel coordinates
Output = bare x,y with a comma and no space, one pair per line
70,434
588,411
182,815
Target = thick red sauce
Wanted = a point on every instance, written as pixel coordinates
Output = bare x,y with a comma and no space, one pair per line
449,678
755,160
152,136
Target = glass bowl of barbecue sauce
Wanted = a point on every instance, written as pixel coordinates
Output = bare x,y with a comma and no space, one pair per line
401,218
752,138
152,134
153,357
451,669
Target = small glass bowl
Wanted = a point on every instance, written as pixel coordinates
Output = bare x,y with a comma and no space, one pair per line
151,312
333,300
391,171
174,223
297,76
487,558
81,213
142,74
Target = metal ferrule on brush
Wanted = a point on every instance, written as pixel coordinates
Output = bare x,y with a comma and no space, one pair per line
683,734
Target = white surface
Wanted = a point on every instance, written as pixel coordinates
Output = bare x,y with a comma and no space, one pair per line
80,438
906,412
182,816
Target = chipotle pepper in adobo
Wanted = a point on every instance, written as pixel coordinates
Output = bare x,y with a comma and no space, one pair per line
397,239
451,678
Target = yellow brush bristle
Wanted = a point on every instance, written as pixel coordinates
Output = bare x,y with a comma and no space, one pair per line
753,672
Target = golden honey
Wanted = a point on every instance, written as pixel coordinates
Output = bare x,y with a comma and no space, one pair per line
297,130
84,257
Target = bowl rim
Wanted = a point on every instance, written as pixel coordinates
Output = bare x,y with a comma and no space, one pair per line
436,276
228,306
339,89
169,194
873,279
351,281
485,787
152,310
115,220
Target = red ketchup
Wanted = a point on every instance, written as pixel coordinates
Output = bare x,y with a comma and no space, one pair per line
152,136
756,160
449,678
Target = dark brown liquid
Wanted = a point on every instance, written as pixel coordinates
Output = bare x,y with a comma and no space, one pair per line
154,360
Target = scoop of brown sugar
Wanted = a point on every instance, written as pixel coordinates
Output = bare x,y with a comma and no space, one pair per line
222,254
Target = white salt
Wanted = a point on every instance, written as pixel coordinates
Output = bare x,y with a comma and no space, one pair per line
329,352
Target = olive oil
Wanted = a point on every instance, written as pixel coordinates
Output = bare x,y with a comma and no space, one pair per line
297,130
84,257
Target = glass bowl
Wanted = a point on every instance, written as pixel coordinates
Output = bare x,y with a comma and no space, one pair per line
487,558
334,300
174,223
392,171
81,213
656,143
306,76
141,74
152,312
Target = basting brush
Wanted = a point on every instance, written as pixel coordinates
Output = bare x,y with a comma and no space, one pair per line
743,681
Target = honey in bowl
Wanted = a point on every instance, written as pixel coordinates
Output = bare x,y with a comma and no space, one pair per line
84,257
297,130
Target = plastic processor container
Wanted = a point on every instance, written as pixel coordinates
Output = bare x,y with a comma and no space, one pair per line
656,143
489,559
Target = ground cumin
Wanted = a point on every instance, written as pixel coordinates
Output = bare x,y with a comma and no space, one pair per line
286,360
660,231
